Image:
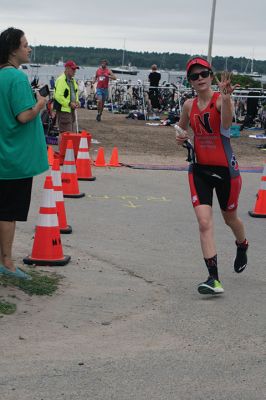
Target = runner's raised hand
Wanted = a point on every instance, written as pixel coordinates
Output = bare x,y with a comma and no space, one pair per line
225,86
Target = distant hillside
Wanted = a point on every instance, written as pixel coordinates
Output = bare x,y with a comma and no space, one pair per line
91,56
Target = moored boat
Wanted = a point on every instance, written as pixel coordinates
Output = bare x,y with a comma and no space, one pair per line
253,74
125,69
60,63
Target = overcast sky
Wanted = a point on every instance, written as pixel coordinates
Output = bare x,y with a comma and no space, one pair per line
180,26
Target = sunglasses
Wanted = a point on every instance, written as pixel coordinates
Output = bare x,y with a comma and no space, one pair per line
196,75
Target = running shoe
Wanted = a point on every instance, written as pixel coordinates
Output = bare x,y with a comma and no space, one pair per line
98,118
241,259
211,286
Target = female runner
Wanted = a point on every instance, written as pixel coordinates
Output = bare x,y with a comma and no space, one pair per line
210,116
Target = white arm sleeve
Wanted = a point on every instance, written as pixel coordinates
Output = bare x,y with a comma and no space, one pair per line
225,132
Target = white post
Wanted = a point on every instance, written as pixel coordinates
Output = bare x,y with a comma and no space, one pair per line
179,101
111,97
252,62
76,118
123,56
211,31
143,99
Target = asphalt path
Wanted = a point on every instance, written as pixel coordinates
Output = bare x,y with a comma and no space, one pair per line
127,321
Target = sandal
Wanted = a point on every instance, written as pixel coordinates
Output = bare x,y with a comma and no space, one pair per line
14,274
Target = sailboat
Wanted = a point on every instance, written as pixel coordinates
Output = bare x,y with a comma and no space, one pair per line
125,69
34,64
60,63
252,73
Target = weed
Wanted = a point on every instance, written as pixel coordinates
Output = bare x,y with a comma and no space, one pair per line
7,308
39,285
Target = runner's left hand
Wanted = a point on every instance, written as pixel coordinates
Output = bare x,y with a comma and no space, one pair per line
225,86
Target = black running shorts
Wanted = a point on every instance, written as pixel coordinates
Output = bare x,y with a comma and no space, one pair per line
15,196
203,179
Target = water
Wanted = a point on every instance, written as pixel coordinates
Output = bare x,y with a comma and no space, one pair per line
45,72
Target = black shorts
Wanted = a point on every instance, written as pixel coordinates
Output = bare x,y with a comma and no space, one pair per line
154,97
203,179
15,196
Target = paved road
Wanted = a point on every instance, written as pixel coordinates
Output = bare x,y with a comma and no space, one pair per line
127,321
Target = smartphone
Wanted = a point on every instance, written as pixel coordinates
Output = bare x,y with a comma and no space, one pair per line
44,91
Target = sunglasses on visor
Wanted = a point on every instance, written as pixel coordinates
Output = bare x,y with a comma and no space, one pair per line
196,75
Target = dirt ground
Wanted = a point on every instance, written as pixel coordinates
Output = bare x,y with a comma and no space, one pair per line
138,142
126,321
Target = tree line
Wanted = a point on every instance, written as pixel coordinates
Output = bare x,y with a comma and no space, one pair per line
91,56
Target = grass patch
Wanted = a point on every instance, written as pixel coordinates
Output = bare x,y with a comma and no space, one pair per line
40,285
7,308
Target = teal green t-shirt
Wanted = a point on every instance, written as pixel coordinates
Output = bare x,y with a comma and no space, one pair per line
22,146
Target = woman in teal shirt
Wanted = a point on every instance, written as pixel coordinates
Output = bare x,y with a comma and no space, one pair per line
22,143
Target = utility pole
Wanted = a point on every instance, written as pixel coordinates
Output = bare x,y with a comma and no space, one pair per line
211,31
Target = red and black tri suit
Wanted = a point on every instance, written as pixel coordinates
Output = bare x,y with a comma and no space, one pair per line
216,166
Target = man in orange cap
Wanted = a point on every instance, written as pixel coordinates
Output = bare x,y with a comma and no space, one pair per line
66,98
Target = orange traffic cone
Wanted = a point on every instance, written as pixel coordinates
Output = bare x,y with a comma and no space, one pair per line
100,160
260,205
59,198
83,163
47,247
114,159
50,155
69,174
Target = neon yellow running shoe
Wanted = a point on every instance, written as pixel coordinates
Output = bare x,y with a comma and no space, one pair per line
211,286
